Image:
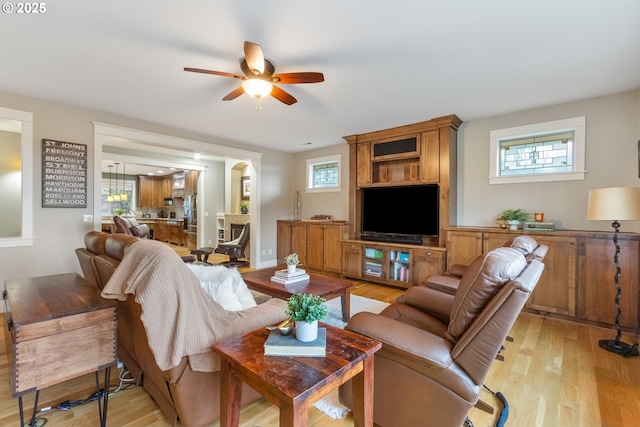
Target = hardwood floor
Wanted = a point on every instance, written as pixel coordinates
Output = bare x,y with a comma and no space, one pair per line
554,374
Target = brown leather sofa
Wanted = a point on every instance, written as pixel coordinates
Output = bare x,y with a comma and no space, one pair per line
191,396
437,348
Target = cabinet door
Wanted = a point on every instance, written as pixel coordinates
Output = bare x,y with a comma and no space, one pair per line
363,163
556,289
283,239
463,247
352,260
315,246
145,191
299,241
426,262
430,159
491,241
596,298
333,234
398,267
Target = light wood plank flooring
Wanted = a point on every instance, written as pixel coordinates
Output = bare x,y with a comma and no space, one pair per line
554,374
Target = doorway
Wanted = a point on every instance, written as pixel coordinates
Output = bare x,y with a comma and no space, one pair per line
132,142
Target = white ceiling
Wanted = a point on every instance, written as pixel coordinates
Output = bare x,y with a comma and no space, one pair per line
385,63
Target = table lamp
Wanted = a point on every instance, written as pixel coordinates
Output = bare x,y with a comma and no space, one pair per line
615,204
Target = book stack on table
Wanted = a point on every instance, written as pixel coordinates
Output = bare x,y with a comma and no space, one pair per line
288,345
286,278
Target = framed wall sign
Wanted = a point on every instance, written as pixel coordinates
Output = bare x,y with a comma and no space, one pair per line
64,174
245,187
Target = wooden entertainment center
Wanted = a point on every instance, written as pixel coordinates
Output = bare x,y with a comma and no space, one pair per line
415,154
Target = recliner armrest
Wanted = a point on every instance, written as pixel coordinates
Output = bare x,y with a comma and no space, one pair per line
425,347
430,301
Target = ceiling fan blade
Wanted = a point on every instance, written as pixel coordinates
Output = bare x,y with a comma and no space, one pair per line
283,96
255,58
216,73
296,78
234,94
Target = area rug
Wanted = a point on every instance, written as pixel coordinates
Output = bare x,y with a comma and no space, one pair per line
330,405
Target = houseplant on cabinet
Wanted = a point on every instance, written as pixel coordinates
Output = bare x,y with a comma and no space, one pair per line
306,310
513,217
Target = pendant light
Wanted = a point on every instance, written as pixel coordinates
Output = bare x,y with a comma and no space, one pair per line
124,196
110,197
116,197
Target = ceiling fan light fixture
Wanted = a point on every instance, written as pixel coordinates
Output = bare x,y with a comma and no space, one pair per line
258,88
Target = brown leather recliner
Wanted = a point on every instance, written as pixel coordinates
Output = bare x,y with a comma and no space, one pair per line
449,281
437,348
191,396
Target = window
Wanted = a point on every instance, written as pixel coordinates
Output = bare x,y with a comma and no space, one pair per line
551,151
323,174
124,186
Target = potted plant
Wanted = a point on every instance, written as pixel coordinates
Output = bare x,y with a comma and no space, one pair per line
292,261
513,217
306,310
244,208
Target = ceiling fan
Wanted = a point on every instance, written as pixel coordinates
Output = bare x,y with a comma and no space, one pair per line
259,78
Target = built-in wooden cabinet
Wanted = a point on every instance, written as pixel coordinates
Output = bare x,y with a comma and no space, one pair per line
596,276
419,153
153,190
317,243
578,280
191,182
391,263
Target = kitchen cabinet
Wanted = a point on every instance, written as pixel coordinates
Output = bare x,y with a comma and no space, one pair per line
578,279
153,190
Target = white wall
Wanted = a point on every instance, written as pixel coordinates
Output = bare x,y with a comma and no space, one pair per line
613,131
329,203
57,232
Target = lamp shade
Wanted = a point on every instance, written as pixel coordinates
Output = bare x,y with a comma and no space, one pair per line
614,204
257,88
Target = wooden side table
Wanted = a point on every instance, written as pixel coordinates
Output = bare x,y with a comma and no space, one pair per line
59,327
296,383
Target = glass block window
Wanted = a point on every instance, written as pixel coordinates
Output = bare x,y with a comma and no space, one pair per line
323,174
551,151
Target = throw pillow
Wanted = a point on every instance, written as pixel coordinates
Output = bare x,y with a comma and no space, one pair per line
224,285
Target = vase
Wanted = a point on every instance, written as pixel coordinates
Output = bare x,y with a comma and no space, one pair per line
513,224
291,268
306,331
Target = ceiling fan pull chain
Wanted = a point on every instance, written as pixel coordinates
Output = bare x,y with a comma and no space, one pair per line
259,104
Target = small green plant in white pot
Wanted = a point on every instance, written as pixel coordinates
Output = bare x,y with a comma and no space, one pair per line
306,310
292,261
513,217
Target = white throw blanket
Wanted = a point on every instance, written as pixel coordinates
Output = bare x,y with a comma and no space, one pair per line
180,319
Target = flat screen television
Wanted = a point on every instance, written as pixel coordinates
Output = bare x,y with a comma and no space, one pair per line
402,214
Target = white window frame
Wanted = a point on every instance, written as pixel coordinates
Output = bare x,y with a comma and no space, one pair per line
311,163
575,124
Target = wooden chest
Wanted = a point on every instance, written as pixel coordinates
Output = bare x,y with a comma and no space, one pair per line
59,327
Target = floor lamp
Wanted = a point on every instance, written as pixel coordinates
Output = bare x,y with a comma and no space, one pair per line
615,204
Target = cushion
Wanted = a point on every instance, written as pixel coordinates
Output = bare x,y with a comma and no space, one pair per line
482,279
224,285
525,244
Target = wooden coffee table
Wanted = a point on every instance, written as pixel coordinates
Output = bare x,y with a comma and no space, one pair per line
327,287
295,383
